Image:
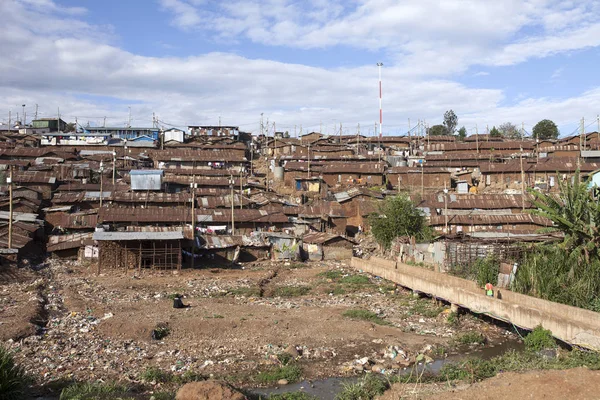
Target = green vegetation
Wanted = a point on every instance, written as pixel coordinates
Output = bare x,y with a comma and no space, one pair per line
173,296
164,395
450,122
292,396
160,332
487,270
539,339
462,133
331,274
12,377
95,391
365,315
291,291
453,319
545,129
366,388
470,338
397,217
289,372
155,374
285,358
426,308
253,291
355,280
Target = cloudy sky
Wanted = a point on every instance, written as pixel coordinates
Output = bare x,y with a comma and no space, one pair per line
303,64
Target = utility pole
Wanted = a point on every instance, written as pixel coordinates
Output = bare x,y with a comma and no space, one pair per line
309,160
36,111
358,139
114,168
522,130
9,119
409,141
261,125
231,183
582,137
10,206
58,119
522,181
129,121
241,190
445,209
193,187
104,123
477,137
24,122
101,181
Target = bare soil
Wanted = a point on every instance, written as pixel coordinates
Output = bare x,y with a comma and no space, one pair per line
578,383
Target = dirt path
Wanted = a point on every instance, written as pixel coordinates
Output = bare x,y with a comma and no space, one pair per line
579,383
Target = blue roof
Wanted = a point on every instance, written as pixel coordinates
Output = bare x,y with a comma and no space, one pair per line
146,172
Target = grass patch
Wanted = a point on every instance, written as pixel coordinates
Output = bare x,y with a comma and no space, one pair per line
155,374
94,391
453,319
297,265
291,291
332,274
365,389
173,296
12,376
292,396
246,291
365,315
470,338
426,308
539,339
290,373
356,280
164,396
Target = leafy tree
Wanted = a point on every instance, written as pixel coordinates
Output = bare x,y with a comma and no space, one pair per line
495,132
70,127
462,133
575,213
509,130
397,217
545,129
450,121
437,130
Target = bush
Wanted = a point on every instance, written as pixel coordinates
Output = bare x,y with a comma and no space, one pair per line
290,373
470,338
93,391
365,315
397,217
12,377
155,374
539,339
487,270
367,388
472,370
292,396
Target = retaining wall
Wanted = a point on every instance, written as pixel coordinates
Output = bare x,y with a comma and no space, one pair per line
569,324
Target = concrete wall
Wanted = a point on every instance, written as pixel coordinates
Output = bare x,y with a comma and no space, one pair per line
570,324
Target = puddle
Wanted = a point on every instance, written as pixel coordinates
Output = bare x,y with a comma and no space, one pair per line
326,389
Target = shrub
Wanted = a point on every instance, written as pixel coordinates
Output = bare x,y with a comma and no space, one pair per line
487,270
539,339
355,280
472,370
292,396
12,377
155,374
367,388
290,373
470,338
93,391
453,319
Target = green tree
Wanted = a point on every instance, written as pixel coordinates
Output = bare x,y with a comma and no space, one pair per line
545,129
397,217
70,127
450,121
437,130
495,132
462,133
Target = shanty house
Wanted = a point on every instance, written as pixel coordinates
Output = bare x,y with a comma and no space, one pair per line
351,174
319,246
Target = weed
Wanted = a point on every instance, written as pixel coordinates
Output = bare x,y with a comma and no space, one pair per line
425,308
160,332
291,291
470,338
12,376
164,396
187,377
298,265
365,315
246,291
155,374
214,316
332,274
539,339
290,373
338,291
452,319
356,280
367,388
487,270
472,370
284,358
173,296
93,391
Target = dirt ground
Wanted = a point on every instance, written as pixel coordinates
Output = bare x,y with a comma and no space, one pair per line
100,327
579,383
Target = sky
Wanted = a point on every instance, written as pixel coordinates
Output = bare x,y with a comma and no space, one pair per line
303,65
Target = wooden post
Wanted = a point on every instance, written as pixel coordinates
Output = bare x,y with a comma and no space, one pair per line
153,254
140,258
126,258
10,205
179,256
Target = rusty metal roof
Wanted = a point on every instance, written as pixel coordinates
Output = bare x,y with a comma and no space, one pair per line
186,155
475,201
417,170
511,219
151,197
34,177
353,168
64,242
321,237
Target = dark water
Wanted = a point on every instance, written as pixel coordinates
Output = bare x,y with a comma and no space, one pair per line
326,389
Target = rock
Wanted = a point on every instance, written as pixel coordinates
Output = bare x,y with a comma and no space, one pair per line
208,390
282,382
377,368
292,351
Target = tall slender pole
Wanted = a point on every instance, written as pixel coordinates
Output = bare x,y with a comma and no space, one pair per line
9,120
241,190
101,182
232,215
10,206
477,137
309,160
114,167
445,209
522,181
193,190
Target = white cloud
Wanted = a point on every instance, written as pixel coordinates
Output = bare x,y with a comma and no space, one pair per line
481,73
67,63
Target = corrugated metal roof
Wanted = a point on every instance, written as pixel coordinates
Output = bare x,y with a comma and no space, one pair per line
490,220
321,237
353,168
116,236
63,242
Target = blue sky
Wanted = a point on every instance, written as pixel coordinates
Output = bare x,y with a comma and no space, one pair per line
303,64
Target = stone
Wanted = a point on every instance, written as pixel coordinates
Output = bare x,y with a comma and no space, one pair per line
282,382
208,390
292,351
